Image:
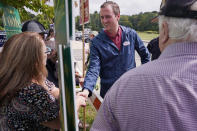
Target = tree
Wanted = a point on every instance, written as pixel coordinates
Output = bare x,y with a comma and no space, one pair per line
94,24
44,11
142,21
124,20
1,21
95,21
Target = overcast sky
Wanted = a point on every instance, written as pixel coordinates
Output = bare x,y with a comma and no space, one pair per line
127,7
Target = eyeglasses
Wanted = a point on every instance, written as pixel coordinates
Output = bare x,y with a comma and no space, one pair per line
48,50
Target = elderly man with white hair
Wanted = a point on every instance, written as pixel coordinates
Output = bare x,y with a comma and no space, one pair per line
160,95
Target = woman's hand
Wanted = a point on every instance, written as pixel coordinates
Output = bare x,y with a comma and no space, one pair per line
80,101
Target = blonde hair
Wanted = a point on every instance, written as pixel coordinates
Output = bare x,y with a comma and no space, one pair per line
21,61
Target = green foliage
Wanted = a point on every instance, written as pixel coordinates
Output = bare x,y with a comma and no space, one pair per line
77,26
142,21
90,114
35,5
1,21
124,20
46,18
139,22
94,24
24,15
44,11
148,35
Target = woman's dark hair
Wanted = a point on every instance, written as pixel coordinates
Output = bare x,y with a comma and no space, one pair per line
50,33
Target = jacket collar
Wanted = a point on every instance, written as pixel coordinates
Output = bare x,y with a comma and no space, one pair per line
103,36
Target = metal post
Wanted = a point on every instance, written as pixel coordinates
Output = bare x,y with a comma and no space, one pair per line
63,27
73,21
83,52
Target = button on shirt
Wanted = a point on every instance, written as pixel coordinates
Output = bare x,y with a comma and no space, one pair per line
158,96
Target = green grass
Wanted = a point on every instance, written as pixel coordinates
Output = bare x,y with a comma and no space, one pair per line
90,115
148,35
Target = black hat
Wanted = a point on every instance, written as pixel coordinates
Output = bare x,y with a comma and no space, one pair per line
33,26
178,8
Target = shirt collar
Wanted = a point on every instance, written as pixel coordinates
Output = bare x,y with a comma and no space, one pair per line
118,33
185,48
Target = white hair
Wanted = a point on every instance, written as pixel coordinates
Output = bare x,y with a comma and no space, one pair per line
184,29
194,6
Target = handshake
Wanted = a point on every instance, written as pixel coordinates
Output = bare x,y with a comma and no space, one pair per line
81,98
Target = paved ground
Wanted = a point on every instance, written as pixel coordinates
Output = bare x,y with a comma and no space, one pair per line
77,50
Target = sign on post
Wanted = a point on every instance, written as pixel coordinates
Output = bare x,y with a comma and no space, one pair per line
84,11
11,21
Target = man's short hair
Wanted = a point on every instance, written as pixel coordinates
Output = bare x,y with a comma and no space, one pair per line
114,6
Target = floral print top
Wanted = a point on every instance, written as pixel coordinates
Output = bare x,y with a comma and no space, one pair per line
31,106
